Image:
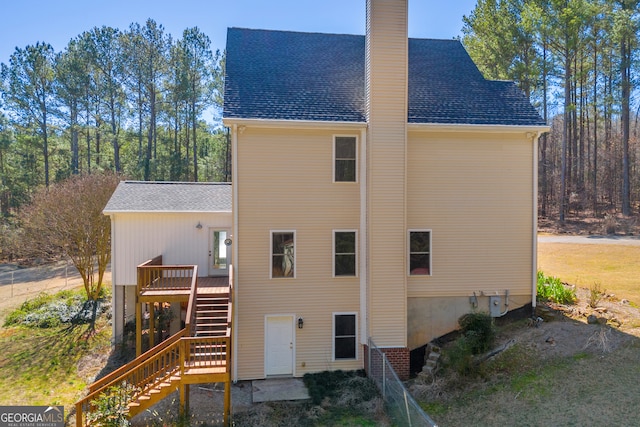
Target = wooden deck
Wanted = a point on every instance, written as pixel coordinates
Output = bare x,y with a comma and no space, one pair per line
180,289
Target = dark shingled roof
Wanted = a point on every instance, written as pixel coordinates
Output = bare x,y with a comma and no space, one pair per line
140,196
284,75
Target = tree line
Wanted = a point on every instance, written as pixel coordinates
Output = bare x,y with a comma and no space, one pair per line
577,60
130,101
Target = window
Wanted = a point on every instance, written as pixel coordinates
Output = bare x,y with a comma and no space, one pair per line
420,253
283,254
344,258
345,159
344,336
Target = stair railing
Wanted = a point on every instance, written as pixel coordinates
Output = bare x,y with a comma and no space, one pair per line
174,356
134,378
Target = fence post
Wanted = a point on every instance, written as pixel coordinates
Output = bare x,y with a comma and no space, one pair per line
406,406
384,376
369,371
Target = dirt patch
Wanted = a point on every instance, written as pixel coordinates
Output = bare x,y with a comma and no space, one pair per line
577,366
565,330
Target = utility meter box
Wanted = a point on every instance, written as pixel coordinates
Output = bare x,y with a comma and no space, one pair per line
495,305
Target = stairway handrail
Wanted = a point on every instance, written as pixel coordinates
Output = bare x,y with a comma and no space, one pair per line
120,375
100,384
191,306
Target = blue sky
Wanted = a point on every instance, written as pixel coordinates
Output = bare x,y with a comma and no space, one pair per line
26,22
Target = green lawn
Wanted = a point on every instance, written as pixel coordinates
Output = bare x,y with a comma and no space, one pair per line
40,366
615,267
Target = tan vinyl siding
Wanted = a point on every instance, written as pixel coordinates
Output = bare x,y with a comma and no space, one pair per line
285,182
474,191
142,236
387,112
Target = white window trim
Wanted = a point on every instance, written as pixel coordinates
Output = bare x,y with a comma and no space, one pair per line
295,257
333,250
333,175
423,230
333,334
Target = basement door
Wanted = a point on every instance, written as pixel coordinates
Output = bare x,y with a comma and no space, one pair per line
278,345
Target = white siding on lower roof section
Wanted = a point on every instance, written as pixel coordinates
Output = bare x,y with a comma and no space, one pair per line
475,192
139,237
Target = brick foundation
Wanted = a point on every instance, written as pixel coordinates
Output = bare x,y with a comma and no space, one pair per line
398,357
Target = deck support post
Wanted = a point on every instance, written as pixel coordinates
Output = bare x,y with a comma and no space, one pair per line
184,400
227,402
138,328
152,324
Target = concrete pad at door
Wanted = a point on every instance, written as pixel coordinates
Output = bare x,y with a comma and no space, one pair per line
272,390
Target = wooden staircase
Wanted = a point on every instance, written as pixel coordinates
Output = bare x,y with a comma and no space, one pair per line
212,313
199,353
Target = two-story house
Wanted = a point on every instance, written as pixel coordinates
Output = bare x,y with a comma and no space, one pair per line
381,189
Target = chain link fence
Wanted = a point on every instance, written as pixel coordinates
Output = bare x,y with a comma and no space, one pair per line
19,284
400,406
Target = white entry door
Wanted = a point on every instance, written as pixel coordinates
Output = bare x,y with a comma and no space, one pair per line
279,345
219,252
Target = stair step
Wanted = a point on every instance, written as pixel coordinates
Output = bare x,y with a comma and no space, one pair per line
214,313
214,334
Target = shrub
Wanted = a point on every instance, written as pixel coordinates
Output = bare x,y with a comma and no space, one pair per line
46,311
550,288
330,384
111,407
595,294
477,336
459,357
478,330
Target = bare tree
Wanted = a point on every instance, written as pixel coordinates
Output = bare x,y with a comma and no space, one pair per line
67,219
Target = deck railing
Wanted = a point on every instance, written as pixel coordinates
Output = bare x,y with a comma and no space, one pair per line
153,276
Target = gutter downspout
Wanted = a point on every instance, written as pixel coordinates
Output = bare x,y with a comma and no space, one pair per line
534,261
116,319
234,208
364,238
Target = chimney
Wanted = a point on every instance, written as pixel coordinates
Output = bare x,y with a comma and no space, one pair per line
386,64
386,57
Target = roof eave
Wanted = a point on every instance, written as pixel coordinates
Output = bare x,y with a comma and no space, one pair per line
299,124
117,211
478,128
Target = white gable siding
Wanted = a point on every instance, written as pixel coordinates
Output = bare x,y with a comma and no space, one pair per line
142,236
